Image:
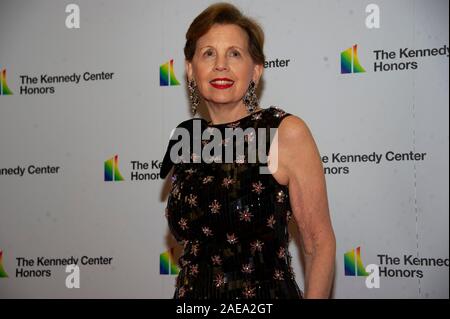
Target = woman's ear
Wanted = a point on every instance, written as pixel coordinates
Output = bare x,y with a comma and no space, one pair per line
189,72
257,73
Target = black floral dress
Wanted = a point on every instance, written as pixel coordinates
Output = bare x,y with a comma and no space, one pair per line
230,218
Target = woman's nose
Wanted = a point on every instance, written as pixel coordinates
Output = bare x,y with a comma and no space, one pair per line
221,64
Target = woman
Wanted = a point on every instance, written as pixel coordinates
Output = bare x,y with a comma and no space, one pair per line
231,219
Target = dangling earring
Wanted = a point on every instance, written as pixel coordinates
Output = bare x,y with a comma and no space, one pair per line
250,99
193,96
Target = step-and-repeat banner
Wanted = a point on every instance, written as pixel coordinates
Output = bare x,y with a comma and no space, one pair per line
91,90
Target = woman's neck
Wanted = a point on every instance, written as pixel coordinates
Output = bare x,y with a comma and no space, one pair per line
221,113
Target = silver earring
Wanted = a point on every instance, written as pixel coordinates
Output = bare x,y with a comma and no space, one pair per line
250,99
193,96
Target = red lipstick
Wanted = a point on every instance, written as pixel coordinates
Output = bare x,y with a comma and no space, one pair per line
221,83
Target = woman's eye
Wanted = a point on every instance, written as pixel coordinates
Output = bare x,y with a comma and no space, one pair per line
209,53
235,53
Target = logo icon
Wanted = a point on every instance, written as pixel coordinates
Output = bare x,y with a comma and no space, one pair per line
4,89
3,273
167,75
353,263
167,264
350,62
354,267
112,170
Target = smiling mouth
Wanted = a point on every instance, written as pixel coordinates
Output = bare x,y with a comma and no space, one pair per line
222,83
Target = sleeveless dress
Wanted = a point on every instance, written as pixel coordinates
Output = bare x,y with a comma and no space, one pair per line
231,219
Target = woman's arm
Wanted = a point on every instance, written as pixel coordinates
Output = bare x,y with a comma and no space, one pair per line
300,160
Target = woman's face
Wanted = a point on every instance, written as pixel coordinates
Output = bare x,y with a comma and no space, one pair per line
222,65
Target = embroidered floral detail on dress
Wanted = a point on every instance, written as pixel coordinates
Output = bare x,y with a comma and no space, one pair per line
280,196
227,181
192,200
190,171
257,187
232,239
247,268
175,193
193,270
281,253
215,206
278,112
184,262
256,116
183,223
195,249
207,231
278,275
271,221
219,281
245,215
207,179
248,291
256,246
216,260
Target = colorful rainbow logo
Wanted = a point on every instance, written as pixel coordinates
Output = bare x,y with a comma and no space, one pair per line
3,273
4,89
167,75
167,264
350,62
112,170
353,264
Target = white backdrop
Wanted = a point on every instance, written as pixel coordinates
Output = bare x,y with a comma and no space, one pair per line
61,130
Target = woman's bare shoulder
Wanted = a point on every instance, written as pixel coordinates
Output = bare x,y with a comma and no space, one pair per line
293,129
